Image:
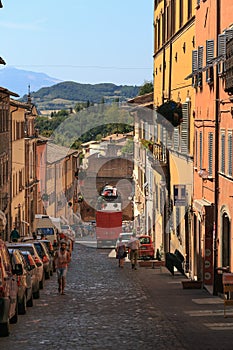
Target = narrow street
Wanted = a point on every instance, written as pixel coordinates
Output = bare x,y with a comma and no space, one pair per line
110,308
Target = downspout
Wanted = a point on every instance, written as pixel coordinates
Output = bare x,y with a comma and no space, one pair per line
216,187
10,194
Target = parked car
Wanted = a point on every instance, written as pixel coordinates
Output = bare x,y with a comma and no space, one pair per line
44,255
30,247
34,272
125,238
24,281
8,291
146,250
51,252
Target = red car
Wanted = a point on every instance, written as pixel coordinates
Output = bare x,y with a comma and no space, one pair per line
146,250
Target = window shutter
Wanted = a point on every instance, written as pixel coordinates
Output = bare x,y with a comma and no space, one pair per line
176,139
164,144
223,153
222,45
185,129
200,57
194,67
200,150
200,65
194,61
210,154
209,50
221,52
230,153
229,34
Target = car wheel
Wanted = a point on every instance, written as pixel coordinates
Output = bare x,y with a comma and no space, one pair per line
47,275
22,307
42,282
14,319
4,329
30,301
36,295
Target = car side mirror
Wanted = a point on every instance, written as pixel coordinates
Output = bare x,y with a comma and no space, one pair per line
18,270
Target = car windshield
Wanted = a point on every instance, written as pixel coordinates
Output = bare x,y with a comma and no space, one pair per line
126,236
45,231
28,248
145,240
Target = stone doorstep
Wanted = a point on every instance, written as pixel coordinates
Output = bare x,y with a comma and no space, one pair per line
151,263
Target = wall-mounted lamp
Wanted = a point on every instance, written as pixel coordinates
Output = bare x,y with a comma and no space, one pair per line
184,47
193,41
188,98
178,97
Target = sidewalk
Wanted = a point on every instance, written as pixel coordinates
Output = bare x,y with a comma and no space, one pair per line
195,314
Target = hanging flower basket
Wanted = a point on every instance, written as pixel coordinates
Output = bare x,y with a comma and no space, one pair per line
45,197
170,114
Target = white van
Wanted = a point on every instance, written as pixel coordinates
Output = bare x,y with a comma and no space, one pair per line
45,226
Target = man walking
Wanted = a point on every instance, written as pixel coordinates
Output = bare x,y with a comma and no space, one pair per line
134,245
62,259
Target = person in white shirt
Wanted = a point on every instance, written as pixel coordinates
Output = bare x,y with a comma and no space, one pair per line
133,245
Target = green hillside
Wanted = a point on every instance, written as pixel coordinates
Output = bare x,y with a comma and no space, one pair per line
66,94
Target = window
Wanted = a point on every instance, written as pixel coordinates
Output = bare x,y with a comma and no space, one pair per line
209,58
185,129
178,222
189,9
210,154
230,153
221,52
173,16
194,67
200,149
196,149
200,65
181,13
223,152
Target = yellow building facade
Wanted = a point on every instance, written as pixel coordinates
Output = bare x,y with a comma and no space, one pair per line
174,40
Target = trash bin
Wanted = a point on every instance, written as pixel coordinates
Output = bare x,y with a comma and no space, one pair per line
218,278
173,261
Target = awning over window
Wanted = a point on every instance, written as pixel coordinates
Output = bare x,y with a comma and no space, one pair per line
200,204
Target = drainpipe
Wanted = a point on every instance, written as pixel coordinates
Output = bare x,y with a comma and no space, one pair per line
216,187
10,192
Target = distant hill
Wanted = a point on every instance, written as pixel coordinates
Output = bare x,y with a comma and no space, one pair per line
66,94
18,80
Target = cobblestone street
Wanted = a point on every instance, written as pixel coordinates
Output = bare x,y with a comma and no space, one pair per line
110,308
104,308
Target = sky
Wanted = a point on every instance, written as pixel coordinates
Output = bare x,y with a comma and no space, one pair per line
86,41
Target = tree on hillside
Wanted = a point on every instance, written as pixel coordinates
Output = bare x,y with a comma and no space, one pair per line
146,88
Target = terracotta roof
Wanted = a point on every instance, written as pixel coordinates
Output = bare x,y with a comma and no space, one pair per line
142,99
56,153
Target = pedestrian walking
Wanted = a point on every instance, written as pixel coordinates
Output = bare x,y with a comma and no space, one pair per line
133,245
14,235
121,253
62,259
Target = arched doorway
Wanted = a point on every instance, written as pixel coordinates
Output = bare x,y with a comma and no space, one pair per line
225,240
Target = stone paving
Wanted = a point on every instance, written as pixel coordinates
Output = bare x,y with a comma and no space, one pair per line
105,307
